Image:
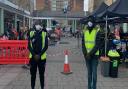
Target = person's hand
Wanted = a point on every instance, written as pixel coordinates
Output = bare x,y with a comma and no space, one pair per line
104,58
88,56
36,57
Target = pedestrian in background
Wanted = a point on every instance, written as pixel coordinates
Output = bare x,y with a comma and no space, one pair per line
58,32
91,44
37,45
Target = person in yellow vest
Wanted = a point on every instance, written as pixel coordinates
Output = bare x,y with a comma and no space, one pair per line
91,44
113,53
37,45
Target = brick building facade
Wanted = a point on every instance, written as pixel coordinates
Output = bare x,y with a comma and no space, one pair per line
58,5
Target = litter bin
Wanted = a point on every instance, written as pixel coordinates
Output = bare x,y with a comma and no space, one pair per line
105,68
105,64
114,64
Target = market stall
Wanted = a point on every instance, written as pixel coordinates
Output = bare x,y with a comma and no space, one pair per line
113,15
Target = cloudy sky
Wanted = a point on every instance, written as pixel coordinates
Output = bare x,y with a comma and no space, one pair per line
85,5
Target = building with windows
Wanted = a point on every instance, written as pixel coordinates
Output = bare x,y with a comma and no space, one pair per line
27,5
93,4
42,4
77,5
58,5
15,13
51,10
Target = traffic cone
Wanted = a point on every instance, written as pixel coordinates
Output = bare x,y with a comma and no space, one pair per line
66,69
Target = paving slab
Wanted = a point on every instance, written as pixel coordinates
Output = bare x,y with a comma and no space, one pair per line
15,77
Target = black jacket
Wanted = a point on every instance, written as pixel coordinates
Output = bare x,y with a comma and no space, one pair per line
37,45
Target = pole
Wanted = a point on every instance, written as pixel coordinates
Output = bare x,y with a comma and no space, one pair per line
16,22
24,22
106,38
78,37
1,20
66,19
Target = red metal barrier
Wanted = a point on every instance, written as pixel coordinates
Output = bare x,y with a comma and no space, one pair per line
14,52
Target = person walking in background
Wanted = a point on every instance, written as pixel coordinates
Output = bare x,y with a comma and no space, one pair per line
91,44
117,31
37,45
58,32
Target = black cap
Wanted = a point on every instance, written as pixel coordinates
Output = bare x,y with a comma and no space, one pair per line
91,18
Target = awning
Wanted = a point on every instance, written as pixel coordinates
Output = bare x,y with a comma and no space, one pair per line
12,10
59,14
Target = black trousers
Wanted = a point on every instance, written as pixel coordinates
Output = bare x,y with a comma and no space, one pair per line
33,69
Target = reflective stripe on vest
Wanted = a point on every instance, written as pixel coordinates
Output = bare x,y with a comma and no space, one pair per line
43,56
113,53
89,39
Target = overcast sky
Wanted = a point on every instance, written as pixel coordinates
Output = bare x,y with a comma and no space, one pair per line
85,5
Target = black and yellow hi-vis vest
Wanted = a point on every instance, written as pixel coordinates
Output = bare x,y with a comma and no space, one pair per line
89,39
43,56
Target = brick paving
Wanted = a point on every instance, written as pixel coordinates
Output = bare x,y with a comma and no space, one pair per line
15,77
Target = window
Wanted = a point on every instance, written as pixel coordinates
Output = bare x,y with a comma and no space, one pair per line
53,5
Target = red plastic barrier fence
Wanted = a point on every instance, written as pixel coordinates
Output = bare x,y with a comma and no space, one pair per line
14,52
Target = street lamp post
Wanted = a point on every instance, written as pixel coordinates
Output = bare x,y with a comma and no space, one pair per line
65,10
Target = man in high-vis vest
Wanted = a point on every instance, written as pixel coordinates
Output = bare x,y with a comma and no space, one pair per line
91,43
37,45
